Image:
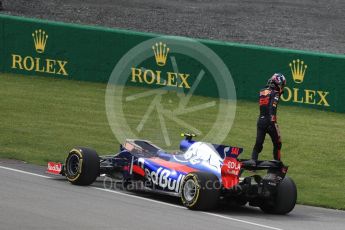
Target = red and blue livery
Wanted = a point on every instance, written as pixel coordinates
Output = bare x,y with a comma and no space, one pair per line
202,174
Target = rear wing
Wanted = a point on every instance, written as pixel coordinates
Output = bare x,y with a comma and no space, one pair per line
272,165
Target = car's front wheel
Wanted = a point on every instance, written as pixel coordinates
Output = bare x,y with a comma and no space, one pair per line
82,166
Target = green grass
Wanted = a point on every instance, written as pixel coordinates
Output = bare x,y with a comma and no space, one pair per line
42,118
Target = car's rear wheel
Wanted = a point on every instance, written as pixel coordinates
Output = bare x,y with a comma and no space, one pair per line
200,191
82,166
284,200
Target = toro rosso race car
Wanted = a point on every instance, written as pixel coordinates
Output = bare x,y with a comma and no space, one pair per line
201,174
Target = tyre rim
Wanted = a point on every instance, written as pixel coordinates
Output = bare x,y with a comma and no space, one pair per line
189,190
73,165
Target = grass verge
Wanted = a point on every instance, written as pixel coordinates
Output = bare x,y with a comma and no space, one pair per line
42,118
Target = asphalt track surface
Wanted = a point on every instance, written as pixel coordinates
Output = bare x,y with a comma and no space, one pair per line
316,25
31,199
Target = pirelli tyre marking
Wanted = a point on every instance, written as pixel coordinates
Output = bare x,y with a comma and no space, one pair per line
190,195
80,165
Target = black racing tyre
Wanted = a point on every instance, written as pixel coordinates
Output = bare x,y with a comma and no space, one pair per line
200,191
284,200
82,166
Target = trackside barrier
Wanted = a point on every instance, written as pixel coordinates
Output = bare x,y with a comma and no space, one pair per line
86,53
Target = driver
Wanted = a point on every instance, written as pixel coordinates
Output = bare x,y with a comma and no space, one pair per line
267,122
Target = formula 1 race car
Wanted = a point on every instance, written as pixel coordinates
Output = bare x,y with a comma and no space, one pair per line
201,174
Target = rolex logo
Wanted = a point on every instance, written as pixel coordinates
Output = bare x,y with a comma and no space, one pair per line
161,53
40,39
38,63
298,69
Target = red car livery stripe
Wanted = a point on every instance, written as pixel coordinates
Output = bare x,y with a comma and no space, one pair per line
138,170
173,165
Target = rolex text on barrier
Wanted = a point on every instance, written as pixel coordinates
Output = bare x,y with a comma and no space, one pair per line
86,53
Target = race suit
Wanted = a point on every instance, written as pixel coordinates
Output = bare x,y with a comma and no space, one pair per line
267,123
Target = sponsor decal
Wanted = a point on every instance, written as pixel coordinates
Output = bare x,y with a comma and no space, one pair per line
156,77
230,172
150,77
298,69
54,168
202,153
38,63
162,178
161,53
233,165
303,96
233,152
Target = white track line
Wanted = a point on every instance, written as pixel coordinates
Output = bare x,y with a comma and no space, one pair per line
140,198
151,200
242,221
182,207
25,172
